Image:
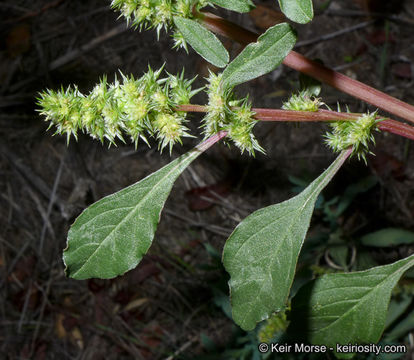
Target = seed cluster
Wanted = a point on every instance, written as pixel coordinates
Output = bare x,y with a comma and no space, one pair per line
226,113
357,133
135,107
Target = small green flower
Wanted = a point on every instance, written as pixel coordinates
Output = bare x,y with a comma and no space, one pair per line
180,89
183,8
164,14
161,100
170,129
302,102
357,133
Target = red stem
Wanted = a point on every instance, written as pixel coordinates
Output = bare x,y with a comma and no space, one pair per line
291,115
397,128
206,144
283,115
300,63
389,125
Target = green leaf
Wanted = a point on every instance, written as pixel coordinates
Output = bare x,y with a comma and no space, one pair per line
261,253
388,237
111,236
346,308
300,11
203,41
262,56
241,6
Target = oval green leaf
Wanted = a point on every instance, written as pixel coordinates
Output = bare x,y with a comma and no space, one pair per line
300,11
111,236
261,253
388,237
241,6
348,308
261,57
203,41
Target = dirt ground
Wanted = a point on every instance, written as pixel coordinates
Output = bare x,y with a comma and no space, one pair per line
171,306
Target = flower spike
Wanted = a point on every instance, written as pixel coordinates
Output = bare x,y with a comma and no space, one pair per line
128,106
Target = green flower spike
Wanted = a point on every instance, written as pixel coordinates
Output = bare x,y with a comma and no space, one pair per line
130,107
357,133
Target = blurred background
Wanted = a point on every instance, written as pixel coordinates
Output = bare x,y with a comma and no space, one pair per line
175,304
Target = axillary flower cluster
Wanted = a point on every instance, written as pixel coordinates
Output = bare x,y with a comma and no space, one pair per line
136,107
226,113
357,133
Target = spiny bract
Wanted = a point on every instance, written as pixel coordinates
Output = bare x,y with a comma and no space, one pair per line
357,133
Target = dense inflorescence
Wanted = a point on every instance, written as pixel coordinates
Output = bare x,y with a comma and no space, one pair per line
234,116
158,14
135,107
357,133
148,106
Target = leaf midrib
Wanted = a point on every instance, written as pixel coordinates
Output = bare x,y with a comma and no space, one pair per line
363,298
318,185
200,39
303,11
246,63
299,213
132,212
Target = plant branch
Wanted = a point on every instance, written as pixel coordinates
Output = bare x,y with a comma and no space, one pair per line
304,65
398,128
388,125
303,116
206,144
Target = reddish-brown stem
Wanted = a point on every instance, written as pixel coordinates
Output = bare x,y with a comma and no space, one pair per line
283,115
350,86
290,115
208,143
300,63
192,108
398,128
388,125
